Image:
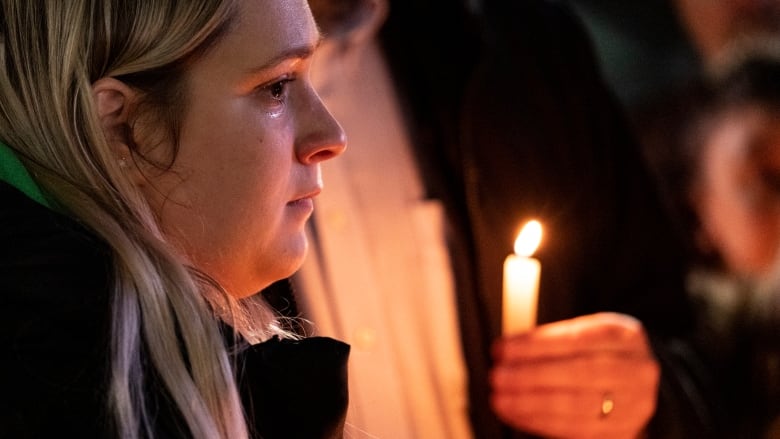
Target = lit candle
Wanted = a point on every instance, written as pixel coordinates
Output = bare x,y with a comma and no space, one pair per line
521,281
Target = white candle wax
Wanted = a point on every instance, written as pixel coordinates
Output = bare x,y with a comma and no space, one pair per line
521,282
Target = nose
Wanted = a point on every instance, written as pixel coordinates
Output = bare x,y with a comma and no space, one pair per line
322,136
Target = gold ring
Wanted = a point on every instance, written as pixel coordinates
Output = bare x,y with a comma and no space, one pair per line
607,404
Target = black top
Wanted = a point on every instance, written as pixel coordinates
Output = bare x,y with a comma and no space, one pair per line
55,330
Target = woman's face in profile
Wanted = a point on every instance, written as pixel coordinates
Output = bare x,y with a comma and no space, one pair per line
252,139
738,197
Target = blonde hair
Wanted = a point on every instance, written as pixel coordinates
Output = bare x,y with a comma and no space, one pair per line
51,52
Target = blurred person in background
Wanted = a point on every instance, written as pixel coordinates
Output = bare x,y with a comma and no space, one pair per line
714,25
648,48
495,114
719,167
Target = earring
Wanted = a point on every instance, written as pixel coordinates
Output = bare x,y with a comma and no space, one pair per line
123,162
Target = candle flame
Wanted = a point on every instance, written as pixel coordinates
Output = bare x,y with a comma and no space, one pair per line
529,238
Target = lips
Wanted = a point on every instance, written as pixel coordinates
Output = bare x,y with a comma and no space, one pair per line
307,197
304,203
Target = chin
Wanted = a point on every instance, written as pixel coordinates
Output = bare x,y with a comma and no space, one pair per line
290,260
296,253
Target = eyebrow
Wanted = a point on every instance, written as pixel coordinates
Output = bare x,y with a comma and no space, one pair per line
300,52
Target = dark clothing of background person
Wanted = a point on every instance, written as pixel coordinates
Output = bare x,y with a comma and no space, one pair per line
511,119
682,136
55,330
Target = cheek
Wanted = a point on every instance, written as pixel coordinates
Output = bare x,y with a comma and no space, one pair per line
763,236
219,197
240,239
745,236
248,195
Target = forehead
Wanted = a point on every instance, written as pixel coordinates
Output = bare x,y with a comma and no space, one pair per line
266,29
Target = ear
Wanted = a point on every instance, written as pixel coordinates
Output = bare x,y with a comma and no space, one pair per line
115,101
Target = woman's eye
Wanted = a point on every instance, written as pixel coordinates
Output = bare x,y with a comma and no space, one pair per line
277,91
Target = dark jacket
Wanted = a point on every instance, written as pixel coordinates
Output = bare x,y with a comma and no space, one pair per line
55,341
511,119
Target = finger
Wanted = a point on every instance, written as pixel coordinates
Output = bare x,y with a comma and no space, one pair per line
565,414
596,332
601,371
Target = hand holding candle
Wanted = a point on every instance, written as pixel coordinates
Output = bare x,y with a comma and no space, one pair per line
521,281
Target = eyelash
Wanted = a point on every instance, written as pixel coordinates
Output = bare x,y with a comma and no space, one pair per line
276,91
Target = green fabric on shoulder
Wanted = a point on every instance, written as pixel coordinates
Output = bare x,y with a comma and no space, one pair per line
13,172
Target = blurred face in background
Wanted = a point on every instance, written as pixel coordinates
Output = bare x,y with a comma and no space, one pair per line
714,24
737,192
348,27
